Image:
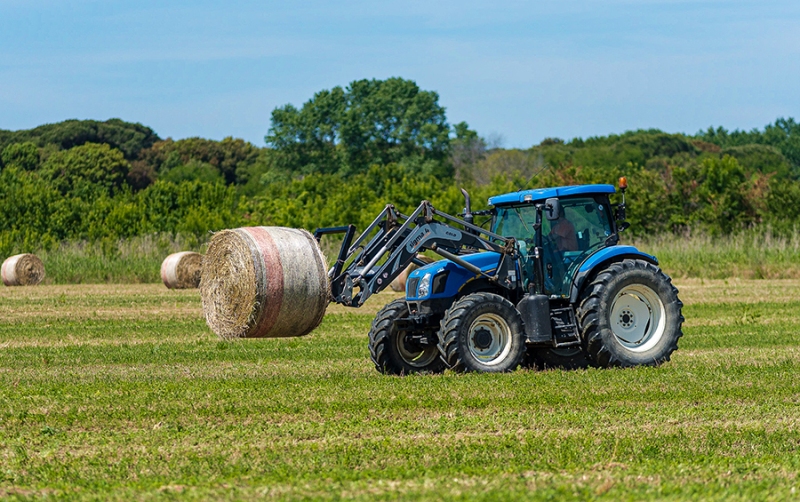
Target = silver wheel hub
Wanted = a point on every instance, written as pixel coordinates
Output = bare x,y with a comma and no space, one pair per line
637,318
489,339
626,318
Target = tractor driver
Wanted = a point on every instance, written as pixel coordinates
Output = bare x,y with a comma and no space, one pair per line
563,235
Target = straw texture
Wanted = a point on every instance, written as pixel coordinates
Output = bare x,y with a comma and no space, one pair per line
399,283
22,270
182,270
260,282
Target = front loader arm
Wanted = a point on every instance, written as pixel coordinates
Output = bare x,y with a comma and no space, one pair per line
398,239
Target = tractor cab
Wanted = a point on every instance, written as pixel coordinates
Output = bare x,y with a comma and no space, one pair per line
562,226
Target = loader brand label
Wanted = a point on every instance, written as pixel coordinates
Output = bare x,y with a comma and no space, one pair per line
448,233
414,244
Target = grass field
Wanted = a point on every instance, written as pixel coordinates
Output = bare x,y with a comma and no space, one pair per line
121,392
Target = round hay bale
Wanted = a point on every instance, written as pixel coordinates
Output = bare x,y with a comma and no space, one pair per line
399,283
182,270
260,282
22,270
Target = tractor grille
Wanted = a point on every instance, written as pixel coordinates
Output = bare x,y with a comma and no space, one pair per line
439,282
411,287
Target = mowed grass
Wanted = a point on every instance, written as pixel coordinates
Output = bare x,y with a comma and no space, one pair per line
122,392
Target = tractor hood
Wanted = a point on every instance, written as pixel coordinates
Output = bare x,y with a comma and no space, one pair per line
455,276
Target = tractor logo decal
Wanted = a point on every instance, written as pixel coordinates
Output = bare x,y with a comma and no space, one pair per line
416,241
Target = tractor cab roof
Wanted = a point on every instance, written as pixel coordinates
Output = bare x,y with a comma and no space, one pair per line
540,194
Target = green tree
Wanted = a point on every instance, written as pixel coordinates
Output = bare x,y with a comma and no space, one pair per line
23,155
466,150
230,157
370,122
87,170
722,192
127,137
784,135
760,158
307,140
193,170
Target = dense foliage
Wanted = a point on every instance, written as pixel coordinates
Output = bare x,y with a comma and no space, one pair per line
349,151
370,122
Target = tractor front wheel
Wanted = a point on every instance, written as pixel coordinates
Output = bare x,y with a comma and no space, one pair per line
630,315
482,332
397,352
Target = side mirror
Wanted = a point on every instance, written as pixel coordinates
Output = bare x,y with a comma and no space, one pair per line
552,209
619,213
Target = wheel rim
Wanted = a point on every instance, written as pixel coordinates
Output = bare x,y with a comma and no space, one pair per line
489,339
413,354
638,318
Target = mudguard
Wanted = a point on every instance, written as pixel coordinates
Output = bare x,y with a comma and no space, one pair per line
602,259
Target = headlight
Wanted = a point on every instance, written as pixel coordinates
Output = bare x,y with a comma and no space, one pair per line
424,286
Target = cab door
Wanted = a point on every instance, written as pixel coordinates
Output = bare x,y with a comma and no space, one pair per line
582,228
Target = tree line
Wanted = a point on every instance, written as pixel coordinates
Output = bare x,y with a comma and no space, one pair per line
346,152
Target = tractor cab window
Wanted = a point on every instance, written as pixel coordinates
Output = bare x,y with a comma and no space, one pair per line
516,222
584,225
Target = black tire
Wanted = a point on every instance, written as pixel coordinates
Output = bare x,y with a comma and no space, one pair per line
390,351
630,315
482,332
568,358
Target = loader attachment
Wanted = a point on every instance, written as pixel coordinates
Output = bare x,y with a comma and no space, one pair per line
391,242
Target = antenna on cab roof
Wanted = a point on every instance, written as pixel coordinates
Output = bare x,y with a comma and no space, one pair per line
540,167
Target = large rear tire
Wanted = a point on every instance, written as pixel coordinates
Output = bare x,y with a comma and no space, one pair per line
630,315
482,332
391,349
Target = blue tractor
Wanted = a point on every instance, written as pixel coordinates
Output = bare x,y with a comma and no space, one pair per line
547,283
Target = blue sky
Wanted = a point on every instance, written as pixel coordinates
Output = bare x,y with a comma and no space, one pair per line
522,71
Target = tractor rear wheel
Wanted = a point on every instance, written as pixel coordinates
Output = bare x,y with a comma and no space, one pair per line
394,351
630,315
482,332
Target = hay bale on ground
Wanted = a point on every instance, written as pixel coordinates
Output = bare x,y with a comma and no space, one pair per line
182,270
262,282
22,270
399,283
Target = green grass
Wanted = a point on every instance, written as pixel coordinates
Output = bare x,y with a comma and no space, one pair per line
753,254
123,393
127,261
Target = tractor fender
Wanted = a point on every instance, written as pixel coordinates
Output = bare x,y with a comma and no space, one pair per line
600,260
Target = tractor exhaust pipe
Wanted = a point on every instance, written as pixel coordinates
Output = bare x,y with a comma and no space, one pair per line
468,217
467,207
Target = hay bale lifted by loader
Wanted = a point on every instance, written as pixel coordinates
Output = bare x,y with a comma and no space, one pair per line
260,282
